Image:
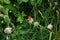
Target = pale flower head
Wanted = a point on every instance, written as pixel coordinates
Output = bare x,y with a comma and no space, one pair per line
36,23
8,30
1,15
55,3
10,11
50,26
48,0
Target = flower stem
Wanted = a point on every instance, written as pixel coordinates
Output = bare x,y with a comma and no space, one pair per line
7,37
50,36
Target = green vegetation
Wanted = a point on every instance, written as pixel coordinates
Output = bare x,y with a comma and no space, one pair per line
29,19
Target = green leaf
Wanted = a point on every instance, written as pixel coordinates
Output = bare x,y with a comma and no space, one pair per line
25,0
6,19
11,7
5,11
23,14
13,35
32,2
1,1
7,1
39,1
1,7
24,32
1,30
20,19
20,27
20,1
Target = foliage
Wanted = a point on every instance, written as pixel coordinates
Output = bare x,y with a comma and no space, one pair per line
43,13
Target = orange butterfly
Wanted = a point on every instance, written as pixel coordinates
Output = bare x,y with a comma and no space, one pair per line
29,18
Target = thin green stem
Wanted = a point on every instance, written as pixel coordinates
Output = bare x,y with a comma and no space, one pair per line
35,11
41,34
50,37
57,22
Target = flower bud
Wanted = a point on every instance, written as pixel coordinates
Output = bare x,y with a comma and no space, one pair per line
8,30
55,3
1,15
36,23
50,26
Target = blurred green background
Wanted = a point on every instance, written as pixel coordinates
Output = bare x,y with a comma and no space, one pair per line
14,13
